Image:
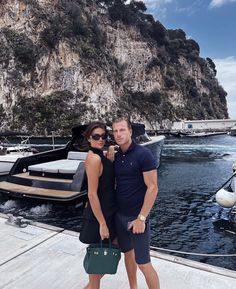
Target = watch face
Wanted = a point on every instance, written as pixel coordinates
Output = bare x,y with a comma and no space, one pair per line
142,218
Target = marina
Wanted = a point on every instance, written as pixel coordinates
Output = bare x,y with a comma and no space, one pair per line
41,256
185,216
64,64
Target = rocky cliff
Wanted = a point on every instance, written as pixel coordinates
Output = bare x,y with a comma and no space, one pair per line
68,62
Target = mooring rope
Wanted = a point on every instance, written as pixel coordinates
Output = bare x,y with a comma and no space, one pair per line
192,253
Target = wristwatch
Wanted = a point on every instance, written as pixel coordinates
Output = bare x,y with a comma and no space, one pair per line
141,217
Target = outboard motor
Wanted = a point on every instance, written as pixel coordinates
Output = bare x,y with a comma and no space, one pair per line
227,197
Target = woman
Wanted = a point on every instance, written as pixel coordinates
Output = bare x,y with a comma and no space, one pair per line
100,209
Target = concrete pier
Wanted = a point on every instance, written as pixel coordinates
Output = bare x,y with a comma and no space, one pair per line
46,257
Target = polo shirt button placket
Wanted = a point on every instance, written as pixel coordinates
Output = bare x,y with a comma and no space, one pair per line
123,160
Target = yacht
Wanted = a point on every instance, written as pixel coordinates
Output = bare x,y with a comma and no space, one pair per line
59,175
233,131
9,153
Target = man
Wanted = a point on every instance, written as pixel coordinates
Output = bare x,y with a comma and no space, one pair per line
136,191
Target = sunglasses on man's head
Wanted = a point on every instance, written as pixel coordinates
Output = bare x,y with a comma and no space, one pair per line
98,136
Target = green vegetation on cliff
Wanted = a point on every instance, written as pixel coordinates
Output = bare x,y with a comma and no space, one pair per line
41,92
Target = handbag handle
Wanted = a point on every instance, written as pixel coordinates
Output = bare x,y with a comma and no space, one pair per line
109,243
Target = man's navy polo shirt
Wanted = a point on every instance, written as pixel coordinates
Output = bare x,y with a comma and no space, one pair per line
130,185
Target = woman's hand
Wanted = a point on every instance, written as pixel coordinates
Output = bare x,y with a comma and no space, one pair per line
111,153
104,232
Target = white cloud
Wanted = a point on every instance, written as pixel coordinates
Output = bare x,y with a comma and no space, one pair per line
226,74
155,3
158,7
219,3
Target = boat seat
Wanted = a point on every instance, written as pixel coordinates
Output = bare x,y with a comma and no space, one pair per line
64,166
49,166
70,167
60,166
76,155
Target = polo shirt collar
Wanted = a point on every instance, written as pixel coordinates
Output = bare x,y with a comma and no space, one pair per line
131,147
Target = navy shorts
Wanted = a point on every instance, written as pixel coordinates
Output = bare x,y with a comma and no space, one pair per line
128,241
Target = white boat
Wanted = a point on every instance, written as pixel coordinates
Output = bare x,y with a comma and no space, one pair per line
233,131
226,196
204,134
10,153
59,175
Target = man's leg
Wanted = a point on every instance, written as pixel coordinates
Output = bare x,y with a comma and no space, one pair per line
124,241
131,268
141,244
150,275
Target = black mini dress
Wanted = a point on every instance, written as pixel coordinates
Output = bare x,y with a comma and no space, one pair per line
106,193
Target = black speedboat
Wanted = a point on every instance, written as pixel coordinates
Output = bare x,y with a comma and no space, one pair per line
59,175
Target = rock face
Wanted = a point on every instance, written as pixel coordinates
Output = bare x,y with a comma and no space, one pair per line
68,62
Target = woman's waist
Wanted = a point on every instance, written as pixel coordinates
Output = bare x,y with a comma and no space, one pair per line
108,211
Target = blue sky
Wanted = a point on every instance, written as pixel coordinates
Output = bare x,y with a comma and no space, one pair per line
212,24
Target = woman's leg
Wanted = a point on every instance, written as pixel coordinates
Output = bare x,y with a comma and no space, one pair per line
94,281
87,286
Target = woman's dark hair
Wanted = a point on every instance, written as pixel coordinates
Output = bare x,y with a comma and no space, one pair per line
89,130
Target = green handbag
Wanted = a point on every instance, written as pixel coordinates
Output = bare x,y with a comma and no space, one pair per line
102,258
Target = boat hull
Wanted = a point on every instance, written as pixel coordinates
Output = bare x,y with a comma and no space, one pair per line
7,161
5,167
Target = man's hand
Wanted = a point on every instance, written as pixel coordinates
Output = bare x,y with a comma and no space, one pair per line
138,226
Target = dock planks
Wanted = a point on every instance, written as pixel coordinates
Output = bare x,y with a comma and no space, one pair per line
41,256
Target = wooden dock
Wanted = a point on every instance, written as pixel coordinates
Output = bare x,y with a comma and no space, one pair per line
41,256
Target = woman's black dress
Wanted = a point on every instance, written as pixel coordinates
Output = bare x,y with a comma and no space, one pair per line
106,194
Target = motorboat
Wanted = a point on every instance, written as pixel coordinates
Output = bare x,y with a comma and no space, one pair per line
226,196
233,131
9,153
195,134
204,134
59,175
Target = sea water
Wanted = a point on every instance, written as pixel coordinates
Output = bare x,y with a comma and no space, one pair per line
185,216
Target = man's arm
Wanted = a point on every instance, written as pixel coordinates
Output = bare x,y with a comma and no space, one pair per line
150,179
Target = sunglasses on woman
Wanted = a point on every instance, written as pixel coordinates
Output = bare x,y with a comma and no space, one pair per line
98,136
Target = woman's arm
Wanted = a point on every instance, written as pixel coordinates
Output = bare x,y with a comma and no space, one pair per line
93,168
